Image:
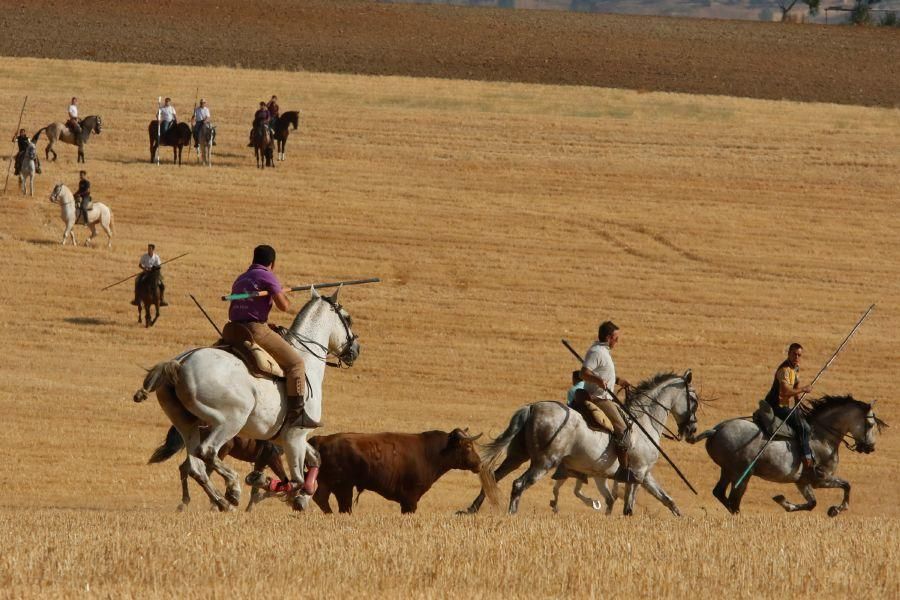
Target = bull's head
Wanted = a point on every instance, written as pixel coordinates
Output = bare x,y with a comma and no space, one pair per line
461,451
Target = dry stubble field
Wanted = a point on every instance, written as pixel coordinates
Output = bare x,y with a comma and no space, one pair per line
501,218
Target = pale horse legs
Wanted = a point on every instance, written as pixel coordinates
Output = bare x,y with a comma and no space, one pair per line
609,497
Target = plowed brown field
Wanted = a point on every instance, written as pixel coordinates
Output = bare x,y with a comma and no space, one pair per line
845,65
501,216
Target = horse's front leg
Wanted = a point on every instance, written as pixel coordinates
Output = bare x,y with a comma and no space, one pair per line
836,482
295,452
656,490
806,490
608,496
554,503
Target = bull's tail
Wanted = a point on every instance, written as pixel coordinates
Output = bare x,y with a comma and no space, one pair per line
164,373
169,448
37,134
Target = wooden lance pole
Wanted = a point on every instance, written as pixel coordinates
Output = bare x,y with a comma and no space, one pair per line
13,157
136,274
300,288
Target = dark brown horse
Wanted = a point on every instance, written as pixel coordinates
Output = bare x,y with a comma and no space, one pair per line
148,294
263,146
178,136
282,128
259,452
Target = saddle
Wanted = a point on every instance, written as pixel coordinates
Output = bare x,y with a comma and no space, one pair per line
259,363
581,405
764,418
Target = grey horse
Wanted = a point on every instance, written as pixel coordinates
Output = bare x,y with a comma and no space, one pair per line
206,139
732,445
552,434
28,169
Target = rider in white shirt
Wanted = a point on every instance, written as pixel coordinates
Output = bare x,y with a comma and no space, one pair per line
166,116
200,116
150,261
72,122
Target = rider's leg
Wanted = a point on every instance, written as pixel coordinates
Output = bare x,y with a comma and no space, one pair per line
84,210
18,166
288,359
612,413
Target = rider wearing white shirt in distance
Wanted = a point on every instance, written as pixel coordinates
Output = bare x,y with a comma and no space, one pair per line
149,261
200,116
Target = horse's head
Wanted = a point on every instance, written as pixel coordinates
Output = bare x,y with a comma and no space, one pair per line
844,415
56,194
342,342
685,407
98,124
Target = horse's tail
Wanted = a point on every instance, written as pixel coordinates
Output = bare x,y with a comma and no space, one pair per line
111,230
163,373
492,451
704,435
37,134
169,448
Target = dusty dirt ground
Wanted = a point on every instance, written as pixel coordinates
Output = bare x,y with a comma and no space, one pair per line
843,65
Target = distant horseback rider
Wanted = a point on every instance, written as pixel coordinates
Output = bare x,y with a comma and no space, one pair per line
150,261
260,119
200,116
274,111
250,316
84,194
72,122
22,141
782,397
599,375
167,116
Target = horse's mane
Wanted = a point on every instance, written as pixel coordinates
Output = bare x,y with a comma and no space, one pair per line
826,403
306,308
647,385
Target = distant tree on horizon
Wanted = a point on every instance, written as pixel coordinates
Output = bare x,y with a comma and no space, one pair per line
787,5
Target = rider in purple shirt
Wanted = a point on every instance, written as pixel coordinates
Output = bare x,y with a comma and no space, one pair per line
257,278
249,316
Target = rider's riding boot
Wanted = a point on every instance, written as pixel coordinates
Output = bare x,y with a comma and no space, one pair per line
84,215
162,296
37,166
623,474
296,414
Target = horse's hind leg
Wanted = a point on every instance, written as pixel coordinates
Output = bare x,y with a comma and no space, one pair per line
593,503
184,469
737,493
608,497
720,491
807,492
554,503
525,481
208,451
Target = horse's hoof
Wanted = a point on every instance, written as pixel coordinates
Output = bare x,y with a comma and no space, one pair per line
301,502
234,496
834,511
181,507
779,499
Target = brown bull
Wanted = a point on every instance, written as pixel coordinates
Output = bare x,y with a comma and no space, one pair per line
397,466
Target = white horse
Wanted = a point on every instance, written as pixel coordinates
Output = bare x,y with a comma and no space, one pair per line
98,213
27,169
552,434
210,397
206,139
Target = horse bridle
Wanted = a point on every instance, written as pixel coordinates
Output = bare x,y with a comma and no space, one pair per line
668,433
342,353
854,444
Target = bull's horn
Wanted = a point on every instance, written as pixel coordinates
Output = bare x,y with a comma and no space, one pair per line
472,438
